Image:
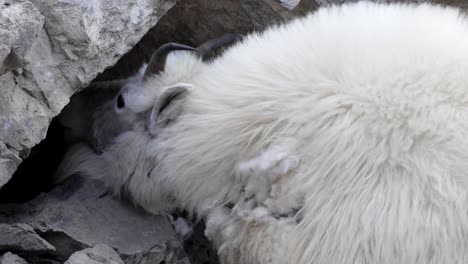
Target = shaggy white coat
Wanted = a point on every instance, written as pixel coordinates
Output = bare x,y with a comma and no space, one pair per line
341,137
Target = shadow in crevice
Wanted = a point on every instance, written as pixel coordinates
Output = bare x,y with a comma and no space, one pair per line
34,175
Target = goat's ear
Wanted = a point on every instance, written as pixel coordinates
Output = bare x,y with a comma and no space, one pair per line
168,108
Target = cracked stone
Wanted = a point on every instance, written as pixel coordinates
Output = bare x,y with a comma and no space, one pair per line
9,160
22,237
99,254
9,258
80,213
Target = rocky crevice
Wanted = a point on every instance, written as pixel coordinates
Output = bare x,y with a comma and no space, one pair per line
49,50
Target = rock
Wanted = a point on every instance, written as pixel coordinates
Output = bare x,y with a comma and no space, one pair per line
21,23
9,258
48,50
99,254
160,253
80,213
289,4
22,237
9,161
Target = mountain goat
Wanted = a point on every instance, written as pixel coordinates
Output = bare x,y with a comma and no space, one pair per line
340,137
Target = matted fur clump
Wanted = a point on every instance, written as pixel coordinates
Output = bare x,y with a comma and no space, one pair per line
341,137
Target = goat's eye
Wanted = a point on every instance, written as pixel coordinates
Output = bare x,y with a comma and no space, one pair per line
120,102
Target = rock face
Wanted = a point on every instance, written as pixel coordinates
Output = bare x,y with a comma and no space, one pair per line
9,258
99,254
48,50
22,237
80,214
9,160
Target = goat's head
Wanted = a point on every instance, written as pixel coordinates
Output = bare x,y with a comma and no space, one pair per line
113,125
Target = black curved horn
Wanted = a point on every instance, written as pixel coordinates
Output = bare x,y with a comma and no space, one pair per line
158,59
212,45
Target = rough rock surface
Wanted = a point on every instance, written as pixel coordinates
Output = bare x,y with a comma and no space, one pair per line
79,214
99,254
23,238
9,161
48,50
9,258
289,4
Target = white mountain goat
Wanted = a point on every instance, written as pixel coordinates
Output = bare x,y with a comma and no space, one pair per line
340,137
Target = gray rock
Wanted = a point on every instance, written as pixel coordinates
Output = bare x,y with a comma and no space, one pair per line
80,213
9,160
48,50
99,254
21,23
22,237
9,258
289,4
160,253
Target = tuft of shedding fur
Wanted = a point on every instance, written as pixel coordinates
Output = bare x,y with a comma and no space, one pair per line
362,110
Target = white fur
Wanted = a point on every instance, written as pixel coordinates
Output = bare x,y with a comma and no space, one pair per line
371,101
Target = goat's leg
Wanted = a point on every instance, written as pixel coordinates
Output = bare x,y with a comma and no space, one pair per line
261,178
